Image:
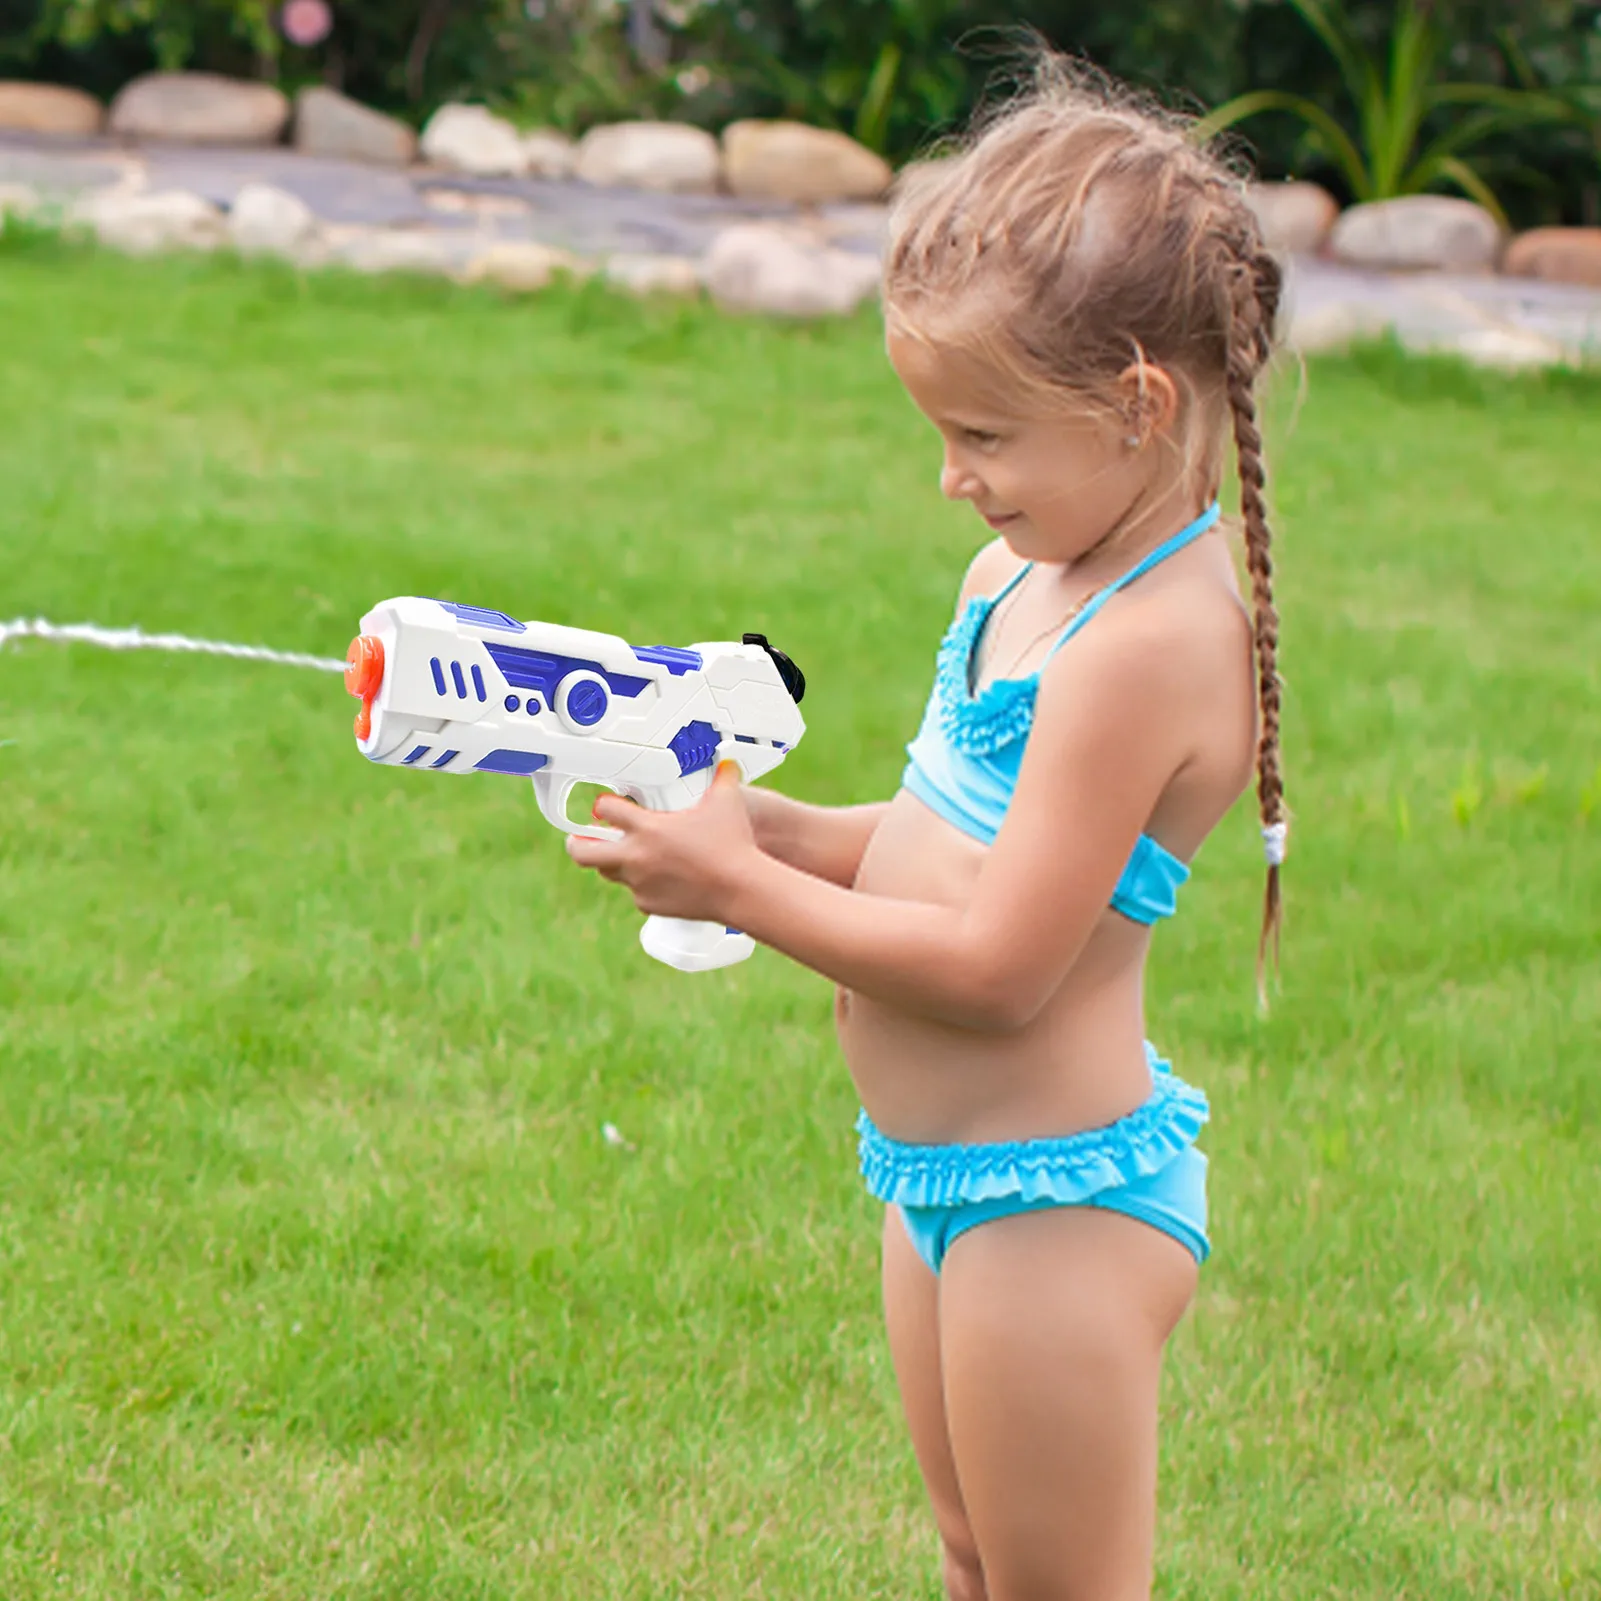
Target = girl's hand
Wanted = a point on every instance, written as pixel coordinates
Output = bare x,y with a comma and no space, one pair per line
675,864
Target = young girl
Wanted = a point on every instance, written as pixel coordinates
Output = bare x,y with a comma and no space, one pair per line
1080,303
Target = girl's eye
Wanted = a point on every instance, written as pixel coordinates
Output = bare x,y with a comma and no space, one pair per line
980,437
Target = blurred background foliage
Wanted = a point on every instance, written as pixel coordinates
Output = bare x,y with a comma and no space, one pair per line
894,73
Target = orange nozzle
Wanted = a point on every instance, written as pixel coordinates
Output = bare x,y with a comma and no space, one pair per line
364,674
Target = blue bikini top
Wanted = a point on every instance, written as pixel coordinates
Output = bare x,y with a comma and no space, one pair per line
965,758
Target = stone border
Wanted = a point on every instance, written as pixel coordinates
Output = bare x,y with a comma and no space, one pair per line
748,254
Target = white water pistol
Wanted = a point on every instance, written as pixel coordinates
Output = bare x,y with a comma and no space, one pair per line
446,688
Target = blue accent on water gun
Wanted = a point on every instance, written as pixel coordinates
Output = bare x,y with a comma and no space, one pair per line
676,659
438,672
478,682
519,763
543,670
446,759
695,746
416,756
587,703
482,617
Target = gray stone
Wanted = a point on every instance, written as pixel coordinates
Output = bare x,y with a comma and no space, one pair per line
764,268
795,162
667,157
1511,349
382,250
522,267
472,139
1293,217
267,221
18,200
145,222
654,275
199,108
49,108
1557,255
549,154
1416,232
328,123
1335,326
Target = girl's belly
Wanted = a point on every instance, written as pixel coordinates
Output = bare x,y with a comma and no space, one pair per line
1079,1064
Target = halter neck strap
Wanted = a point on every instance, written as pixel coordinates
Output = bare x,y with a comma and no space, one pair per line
1169,547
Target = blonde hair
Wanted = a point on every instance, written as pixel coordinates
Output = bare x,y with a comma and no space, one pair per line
1076,230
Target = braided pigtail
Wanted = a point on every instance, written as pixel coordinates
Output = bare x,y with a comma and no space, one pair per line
1082,222
1255,297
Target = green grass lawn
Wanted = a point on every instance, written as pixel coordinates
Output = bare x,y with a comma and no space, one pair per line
318,1277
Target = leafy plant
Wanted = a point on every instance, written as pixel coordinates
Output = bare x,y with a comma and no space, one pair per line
885,73
1393,96
175,27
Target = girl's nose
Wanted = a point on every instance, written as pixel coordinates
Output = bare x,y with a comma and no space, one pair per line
955,481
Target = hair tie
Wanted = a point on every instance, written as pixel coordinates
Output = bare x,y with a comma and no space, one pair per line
1275,837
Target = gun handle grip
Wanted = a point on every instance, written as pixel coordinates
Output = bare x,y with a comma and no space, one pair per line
694,947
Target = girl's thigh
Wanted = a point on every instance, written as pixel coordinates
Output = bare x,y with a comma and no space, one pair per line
1051,1330
911,1318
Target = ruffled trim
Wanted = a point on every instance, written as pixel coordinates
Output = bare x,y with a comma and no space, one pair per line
1001,713
1068,1170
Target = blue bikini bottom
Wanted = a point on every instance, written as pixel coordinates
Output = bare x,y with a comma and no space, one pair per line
1145,1165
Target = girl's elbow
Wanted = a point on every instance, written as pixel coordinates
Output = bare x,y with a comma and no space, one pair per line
1000,999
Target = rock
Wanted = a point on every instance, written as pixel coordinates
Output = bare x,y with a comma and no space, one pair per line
1293,217
199,108
521,266
668,157
379,250
1511,349
140,224
17,200
766,268
472,139
328,123
654,275
1335,326
805,165
864,225
48,108
267,221
1417,231
549,154
1558,255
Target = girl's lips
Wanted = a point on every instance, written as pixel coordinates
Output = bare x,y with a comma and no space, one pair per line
1000,522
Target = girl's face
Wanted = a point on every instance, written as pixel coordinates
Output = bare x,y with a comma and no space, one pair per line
1051,485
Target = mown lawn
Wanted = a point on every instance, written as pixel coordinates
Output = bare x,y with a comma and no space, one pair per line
318,1277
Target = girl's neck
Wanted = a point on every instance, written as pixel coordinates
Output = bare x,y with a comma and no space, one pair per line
1146,524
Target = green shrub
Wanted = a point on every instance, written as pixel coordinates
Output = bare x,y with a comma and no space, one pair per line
892,72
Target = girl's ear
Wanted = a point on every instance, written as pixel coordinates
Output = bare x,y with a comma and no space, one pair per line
1147,399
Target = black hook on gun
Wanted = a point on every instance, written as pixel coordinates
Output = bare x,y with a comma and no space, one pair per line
794,678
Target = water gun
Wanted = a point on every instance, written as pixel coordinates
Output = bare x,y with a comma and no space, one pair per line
447,688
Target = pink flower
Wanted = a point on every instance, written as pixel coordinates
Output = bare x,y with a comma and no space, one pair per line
306,22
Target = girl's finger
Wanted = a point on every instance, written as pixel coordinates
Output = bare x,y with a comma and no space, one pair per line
616,811
593,852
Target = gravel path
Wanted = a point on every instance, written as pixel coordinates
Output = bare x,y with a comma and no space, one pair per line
1509,319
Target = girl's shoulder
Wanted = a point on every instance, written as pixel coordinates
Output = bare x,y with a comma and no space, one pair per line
989,570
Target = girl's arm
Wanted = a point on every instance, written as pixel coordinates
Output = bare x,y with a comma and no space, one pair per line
826,842
1096,764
